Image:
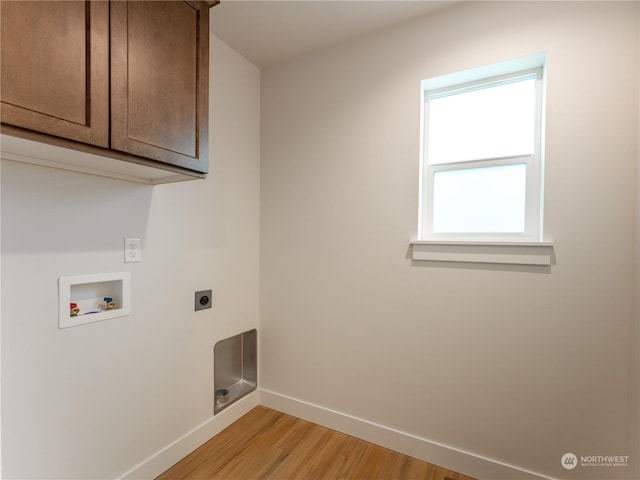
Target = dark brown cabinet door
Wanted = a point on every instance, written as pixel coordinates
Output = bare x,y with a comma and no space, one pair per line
55,68
159,81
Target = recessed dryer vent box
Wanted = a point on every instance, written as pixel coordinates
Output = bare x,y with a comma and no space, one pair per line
88,293
235,372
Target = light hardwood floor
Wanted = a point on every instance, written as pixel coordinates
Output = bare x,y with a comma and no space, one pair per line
269,445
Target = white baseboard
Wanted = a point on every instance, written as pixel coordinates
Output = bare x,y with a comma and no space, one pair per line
430,451
174,452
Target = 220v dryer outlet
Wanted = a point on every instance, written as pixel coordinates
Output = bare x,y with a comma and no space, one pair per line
203,300
132,250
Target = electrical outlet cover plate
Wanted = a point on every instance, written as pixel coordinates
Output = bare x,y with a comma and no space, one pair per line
202,300
132,250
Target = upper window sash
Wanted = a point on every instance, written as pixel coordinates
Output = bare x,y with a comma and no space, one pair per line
454,133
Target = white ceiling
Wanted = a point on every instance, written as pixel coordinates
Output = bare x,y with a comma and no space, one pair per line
268,32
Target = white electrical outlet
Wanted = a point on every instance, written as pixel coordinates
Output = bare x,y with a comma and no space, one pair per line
132,251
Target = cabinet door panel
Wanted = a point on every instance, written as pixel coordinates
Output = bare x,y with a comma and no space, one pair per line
159,81
54,68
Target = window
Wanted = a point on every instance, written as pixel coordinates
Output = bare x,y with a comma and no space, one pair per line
482,154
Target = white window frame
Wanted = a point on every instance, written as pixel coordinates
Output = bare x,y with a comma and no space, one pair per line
499,74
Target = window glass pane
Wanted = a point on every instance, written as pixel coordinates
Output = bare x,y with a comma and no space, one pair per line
489,122
480,200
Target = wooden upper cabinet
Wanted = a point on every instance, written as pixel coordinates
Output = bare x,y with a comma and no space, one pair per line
55,68
159,81
121,79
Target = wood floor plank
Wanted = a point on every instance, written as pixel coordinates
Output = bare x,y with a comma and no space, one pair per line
334,458
268,445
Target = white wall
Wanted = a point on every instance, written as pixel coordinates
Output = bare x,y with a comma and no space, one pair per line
95,401
515,364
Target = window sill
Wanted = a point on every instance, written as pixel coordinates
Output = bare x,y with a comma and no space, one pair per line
515,253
